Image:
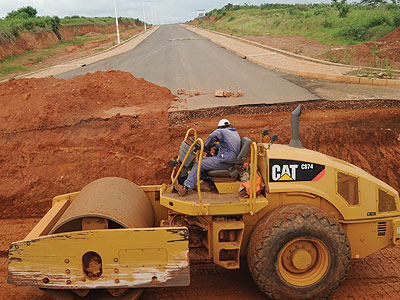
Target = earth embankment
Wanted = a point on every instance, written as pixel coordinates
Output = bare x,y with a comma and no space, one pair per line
26,41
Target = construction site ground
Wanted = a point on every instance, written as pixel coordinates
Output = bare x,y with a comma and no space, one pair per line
58,135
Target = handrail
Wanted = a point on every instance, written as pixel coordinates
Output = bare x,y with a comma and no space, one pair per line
195,137
198,167
188,131
253,177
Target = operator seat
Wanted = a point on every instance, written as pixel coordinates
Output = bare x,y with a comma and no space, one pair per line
236,164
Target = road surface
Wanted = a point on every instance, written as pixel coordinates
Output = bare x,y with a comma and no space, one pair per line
177,58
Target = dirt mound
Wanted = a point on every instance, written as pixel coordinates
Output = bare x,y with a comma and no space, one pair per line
393,36
381,54
58,135
42,103
390,46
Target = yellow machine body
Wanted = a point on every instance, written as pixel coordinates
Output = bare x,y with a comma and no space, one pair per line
128,258
100,259
216,225
367,208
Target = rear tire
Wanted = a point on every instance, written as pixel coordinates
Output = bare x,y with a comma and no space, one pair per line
298,252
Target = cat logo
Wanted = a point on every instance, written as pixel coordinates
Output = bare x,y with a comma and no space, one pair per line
284,172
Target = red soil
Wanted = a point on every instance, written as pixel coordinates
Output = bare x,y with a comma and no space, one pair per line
56,137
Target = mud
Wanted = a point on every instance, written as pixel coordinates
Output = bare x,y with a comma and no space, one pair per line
59,135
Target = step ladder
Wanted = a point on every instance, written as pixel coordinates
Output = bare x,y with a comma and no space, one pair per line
227,240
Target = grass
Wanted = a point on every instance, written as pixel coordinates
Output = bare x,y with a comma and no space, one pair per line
340,57
26,20
29,60
317,21
102,21
8,69
371,73
21,63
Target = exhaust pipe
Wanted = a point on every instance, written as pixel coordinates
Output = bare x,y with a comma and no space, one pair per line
295,140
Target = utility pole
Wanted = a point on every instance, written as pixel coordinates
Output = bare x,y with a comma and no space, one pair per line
116,20
144,16
152,15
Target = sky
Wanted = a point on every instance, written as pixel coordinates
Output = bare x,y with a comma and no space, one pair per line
156,11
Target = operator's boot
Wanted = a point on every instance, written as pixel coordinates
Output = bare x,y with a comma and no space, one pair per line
181,189
204,186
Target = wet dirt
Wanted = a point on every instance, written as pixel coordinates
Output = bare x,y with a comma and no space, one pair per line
56,137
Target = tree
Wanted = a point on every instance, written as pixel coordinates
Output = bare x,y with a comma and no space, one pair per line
229,6
342,7
23,13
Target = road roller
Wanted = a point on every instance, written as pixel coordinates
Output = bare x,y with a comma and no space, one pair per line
295,216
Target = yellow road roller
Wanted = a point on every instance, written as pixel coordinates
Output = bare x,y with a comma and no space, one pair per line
313,214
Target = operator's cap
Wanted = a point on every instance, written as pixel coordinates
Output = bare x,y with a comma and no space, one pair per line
223,122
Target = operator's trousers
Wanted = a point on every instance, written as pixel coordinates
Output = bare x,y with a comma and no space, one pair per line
207,164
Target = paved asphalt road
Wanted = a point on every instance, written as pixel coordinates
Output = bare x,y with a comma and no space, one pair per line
176,58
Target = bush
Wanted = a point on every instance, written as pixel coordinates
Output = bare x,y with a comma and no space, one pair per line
292,11
396,20
22,13
327,23
354,32
28,24
320,11
342,7
376,21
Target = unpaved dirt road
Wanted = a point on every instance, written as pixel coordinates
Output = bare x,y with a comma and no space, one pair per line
58,135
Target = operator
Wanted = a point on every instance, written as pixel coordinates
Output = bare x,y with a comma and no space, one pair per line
228,148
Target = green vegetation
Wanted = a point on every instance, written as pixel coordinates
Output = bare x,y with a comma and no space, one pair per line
79,21
336,23
21,62
30,60
372,73
26,19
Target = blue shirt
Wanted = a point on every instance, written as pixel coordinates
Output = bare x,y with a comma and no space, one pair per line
229,142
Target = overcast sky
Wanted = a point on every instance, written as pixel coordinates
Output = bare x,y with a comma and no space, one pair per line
156,11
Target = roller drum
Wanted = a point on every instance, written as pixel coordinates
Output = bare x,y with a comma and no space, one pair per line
119,201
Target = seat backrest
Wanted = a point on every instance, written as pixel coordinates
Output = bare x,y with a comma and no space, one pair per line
183,150
244,148
236,164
